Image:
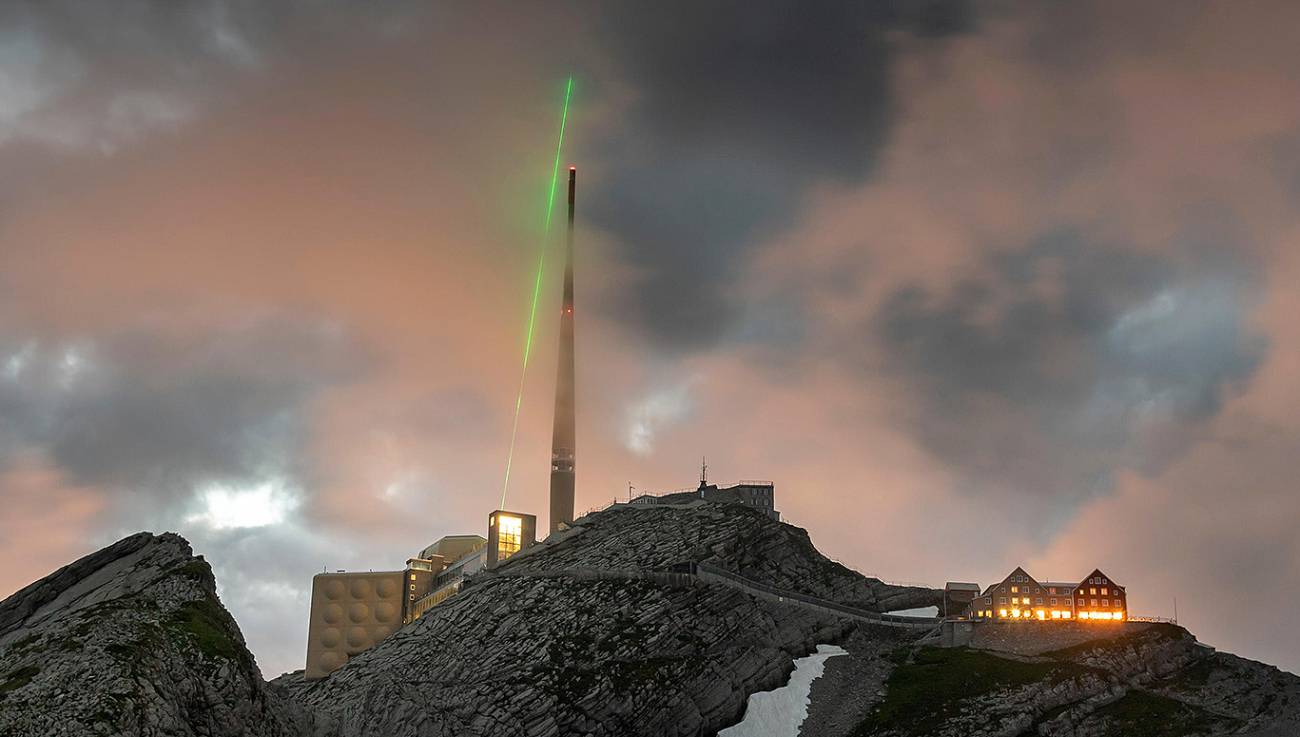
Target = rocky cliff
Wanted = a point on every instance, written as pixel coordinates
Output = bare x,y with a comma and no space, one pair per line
732,537
589,634
132,640
1151,680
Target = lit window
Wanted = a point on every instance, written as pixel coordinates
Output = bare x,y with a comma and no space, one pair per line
509,536
412,576
1015,589
1104,592
1092,591
1065,615
1041,614
1094,602
413,587
1002,612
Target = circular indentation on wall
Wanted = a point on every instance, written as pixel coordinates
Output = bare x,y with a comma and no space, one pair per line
333,614
334,590
332,660
358,612
388,589
358,637
361,589
331,637
385,612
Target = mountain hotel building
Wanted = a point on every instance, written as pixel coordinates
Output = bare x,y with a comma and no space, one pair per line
1020,596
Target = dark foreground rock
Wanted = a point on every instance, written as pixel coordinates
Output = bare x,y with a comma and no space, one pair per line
575,638
131,640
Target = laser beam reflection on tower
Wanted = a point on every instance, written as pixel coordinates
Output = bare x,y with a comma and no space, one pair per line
537,285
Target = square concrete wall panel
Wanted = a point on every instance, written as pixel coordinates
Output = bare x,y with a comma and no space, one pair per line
350,613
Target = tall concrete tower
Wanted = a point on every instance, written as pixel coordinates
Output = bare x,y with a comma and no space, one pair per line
563,436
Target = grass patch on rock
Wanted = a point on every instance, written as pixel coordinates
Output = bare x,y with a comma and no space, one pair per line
205,624
16,679
933,686
1144,714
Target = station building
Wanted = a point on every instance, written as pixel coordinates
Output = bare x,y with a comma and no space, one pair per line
351,612
1020,596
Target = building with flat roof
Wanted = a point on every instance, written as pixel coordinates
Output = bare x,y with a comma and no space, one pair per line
760,495
351,612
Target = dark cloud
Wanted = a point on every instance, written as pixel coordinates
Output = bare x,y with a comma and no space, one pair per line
1068,360
158,410
738,108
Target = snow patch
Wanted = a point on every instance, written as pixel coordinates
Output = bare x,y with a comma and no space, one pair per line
780,712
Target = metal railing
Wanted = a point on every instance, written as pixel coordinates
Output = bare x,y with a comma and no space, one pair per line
893,619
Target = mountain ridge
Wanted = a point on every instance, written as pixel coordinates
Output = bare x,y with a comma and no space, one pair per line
133,640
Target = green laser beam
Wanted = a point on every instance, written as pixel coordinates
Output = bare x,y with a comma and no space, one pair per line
537,286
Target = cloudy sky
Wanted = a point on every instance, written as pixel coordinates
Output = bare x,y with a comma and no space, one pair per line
976,285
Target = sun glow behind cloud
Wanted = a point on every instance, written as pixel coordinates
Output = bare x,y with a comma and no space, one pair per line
225,507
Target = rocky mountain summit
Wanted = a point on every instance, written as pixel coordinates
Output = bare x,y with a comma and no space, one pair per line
606,629
132,640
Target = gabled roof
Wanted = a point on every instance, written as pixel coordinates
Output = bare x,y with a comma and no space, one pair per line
1018,570
1103,574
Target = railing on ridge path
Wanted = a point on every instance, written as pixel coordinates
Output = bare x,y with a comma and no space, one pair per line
774,591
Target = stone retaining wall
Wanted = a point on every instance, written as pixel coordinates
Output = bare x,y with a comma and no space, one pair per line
1034,638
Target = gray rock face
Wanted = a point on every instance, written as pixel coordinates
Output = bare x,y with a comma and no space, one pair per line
131,640
730,536
574,638
555,656
1154,681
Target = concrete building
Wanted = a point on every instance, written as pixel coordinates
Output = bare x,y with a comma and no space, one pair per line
1020,596
760,495
957,597
508,533
350,612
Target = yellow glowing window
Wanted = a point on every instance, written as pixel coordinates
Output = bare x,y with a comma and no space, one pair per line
1065,615
1103,593
1093,592
1002,612
510,534
1015,589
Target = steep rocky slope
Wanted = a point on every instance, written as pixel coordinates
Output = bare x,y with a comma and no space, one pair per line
582,636
732,537
132,640
1156,681
555,656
